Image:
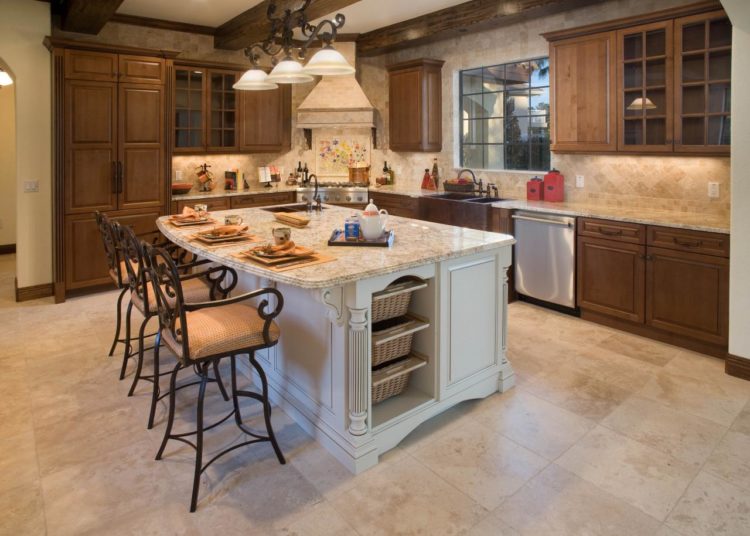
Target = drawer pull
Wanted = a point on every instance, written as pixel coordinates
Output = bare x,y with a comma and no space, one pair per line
605,232
688,243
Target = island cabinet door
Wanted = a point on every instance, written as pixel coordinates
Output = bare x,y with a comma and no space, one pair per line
470,321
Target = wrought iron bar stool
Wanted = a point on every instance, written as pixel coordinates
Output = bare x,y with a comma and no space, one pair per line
206,283
117,271
200,335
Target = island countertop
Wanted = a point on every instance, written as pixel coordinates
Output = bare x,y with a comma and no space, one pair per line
416,243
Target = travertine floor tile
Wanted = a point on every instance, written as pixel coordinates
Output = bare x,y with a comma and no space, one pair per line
718,402
173,519
684,436
322,520
577,392
712,506
481,463
645,350
18,461
22,511
532,422
407,498
641,475
612,367
731,459
558,502
742,422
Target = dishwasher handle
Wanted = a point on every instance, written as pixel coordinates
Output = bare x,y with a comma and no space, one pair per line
543,220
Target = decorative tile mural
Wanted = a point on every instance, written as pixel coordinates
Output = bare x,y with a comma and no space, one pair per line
335,154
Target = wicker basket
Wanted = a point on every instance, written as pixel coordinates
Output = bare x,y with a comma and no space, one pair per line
394,300
393,379
392,338
464,188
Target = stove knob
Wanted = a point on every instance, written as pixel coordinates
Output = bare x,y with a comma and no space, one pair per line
304,197
348,198
325,197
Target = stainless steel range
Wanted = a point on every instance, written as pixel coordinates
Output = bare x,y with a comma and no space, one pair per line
335,193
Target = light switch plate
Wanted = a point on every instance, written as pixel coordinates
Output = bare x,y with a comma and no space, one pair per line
713,190
30,186
579,181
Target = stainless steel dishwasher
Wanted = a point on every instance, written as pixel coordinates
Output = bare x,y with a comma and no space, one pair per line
545,257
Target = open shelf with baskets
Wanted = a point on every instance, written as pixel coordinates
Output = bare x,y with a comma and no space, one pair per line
403,346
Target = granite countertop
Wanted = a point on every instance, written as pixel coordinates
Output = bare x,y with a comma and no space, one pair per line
254,189
668,218
410,248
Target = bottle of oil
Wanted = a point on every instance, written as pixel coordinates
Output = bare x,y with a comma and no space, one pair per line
435,173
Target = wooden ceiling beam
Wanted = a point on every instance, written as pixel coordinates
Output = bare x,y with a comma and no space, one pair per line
87,17
252,25
472,16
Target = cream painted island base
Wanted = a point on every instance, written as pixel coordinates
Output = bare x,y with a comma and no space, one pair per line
321,371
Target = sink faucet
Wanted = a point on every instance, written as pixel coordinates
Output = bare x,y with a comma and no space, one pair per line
492,188
316,195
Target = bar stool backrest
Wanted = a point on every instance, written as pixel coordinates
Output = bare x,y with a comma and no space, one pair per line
131,252
167,287
110,246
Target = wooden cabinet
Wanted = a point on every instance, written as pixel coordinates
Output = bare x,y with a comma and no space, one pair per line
210,116
670,284
266,120
213,203
110,155
583,93
415,104
397,205
262,199
703,50
653,83
644,88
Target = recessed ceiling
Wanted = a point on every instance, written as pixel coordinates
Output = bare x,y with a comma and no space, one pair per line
364,16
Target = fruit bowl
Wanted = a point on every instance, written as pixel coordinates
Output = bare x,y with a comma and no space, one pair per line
179,188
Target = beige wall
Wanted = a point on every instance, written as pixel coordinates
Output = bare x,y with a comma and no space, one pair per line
739,271
23,25
7,164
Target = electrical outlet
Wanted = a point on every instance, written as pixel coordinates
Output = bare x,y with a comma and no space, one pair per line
30,186
713,190
579,181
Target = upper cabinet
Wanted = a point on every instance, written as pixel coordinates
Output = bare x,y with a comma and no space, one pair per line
657,83
415,105
210,116
583,93
703,60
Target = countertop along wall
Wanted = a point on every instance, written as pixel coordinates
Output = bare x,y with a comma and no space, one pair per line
658,182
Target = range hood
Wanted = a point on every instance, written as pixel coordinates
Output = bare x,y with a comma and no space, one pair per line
336,101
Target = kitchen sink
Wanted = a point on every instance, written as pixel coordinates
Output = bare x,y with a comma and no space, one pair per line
299,207
453,196
485,200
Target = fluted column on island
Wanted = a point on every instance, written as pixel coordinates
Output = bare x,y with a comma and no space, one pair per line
358,371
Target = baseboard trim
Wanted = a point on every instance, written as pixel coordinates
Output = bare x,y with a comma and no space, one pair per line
6,249
643,330
739,367
34,292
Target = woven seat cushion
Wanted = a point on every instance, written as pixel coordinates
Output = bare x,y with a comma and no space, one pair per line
222,330
193,291
123,272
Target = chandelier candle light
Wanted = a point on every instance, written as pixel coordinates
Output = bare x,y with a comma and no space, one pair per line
281,43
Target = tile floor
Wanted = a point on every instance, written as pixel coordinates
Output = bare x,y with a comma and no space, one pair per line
605,433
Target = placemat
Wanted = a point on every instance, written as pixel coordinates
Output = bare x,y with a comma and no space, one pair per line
178,225
249,239
318,258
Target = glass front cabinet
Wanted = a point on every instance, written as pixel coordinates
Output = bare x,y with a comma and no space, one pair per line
673,85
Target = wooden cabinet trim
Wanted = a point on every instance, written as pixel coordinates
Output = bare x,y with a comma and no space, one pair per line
633,233
688,240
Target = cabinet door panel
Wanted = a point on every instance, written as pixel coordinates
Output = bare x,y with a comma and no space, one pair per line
86,65
141,145
141,69
90,146
405,99
582,86
265,124
611,278
688,294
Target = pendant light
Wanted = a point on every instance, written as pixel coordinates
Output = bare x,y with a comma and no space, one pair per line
281,43
5,79
641,103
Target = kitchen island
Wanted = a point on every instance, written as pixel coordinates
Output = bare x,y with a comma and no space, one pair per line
321,373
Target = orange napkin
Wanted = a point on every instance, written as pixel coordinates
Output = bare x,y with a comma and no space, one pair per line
188,214
226,230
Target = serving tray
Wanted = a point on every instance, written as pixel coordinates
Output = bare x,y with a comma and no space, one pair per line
385,240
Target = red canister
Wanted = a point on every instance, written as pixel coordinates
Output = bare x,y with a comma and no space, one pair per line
554,186
535,189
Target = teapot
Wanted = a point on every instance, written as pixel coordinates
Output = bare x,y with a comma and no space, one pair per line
372,222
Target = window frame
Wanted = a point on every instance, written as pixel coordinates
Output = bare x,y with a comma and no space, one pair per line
484,136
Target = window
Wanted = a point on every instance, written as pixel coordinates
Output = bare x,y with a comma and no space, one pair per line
505,116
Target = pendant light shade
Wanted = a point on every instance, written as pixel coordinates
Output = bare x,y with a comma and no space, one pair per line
5,79
641,103
289,71
254,79
328,62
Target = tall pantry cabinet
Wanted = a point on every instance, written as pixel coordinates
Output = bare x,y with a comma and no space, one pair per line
110,152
